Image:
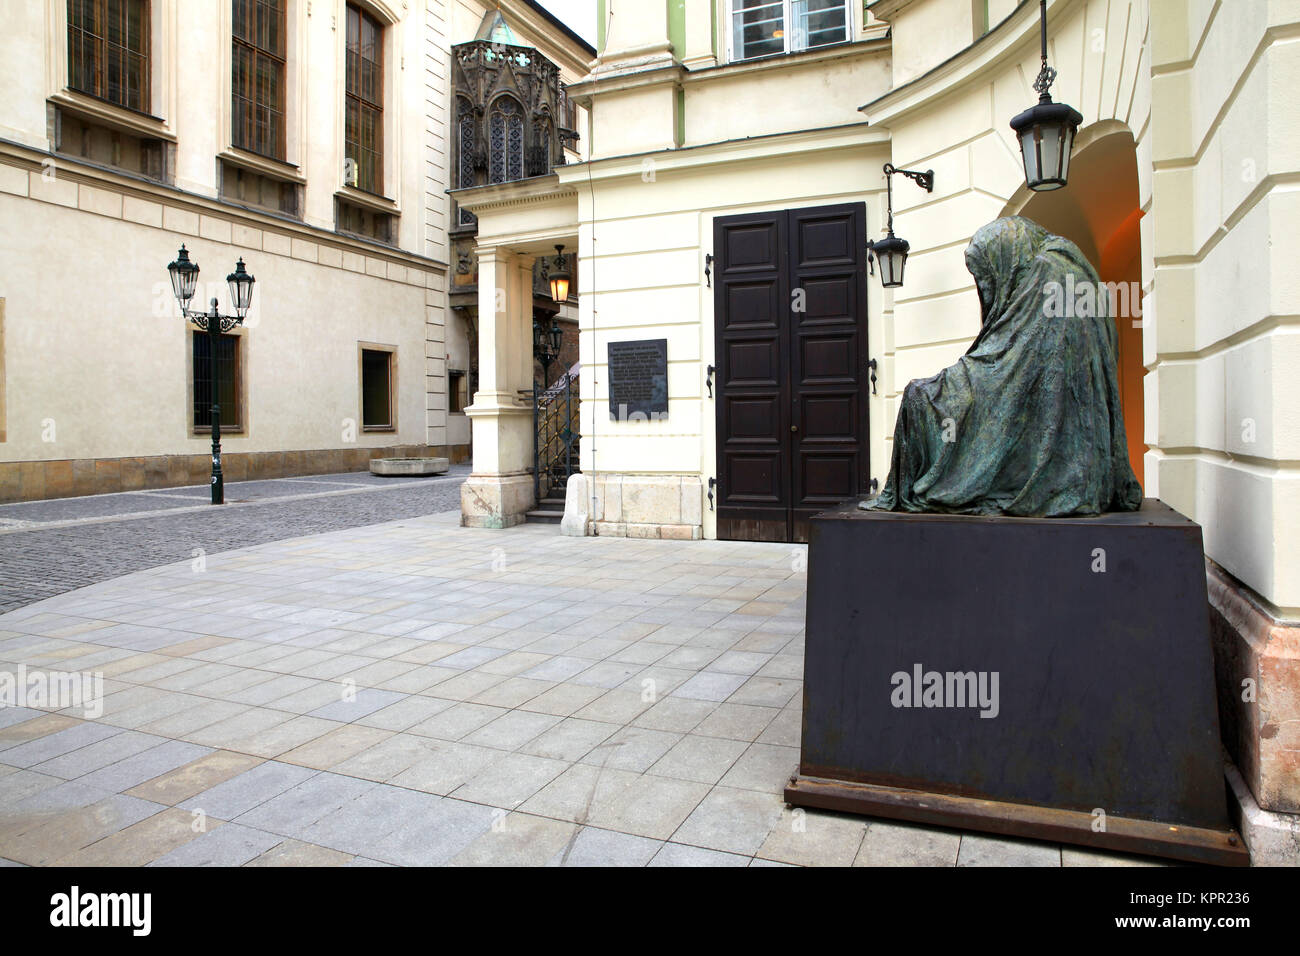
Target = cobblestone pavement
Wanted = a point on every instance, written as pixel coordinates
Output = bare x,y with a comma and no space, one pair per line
48,547
416,693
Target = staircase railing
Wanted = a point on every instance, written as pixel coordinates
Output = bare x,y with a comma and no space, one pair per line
556,432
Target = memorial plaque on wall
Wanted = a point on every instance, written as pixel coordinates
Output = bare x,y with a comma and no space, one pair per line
638,380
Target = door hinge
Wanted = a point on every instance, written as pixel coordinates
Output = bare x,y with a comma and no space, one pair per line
872,365
708,378
712,484
708,270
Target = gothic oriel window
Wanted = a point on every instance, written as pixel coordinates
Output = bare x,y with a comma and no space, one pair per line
108,50
505,141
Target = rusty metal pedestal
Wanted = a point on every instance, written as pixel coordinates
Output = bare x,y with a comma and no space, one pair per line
1102,728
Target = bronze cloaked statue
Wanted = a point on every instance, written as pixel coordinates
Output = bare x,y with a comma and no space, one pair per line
1027,423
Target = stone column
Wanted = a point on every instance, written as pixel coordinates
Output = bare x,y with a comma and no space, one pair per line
499,490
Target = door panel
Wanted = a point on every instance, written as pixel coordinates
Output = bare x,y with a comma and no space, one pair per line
753,377
828,367
790,319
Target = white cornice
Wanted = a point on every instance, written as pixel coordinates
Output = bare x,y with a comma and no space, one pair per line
73,170
750,149
523,192
884,9
1003,44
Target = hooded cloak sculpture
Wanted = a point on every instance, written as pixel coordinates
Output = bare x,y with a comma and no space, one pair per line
1028,421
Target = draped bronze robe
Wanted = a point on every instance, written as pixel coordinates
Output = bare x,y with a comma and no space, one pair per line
1028,421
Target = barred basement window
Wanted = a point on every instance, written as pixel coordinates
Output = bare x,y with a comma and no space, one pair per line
258,77
108,50
505,141
364,119
228,375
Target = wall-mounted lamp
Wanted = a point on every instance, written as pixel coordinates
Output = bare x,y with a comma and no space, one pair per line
1046,130
891,252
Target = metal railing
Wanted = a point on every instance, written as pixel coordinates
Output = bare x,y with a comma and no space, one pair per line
556,432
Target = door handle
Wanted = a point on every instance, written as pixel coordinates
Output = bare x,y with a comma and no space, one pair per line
794,428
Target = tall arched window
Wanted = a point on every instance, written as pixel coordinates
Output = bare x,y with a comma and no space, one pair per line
505,141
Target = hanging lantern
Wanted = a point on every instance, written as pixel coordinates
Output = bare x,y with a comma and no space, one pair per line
891,252
559,277
1046,130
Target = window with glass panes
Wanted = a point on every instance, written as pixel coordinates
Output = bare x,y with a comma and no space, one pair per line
108,50
766,27
258,76
364,123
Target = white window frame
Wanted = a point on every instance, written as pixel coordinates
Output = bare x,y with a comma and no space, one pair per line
733,8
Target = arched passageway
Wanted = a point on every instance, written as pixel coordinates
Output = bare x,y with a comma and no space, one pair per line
1099,211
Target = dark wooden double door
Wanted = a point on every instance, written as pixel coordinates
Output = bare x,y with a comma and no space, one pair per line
790,315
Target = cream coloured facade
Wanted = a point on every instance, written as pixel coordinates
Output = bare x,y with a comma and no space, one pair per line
101,184
1182,190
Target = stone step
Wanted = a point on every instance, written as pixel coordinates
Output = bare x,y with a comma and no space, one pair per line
544,517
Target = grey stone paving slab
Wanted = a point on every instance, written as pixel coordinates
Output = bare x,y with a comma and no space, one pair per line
295,810
367,701
32,752
16,715
900,844
239,794
980,850
596,847
226,845
510,780
735,821
710,685
679,854
104,753
136,769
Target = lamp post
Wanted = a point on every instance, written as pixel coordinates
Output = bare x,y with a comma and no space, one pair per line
184,275
1046,130
891,252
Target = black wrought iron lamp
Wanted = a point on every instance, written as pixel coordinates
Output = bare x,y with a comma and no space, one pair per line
559,277
891,252
547,343
184,275
1046,130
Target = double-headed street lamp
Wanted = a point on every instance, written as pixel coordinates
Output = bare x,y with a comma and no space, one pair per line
184,276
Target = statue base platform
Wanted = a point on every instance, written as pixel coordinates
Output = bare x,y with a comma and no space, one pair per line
1043,678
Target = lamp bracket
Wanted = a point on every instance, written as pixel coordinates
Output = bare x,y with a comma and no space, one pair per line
923,179
203,321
